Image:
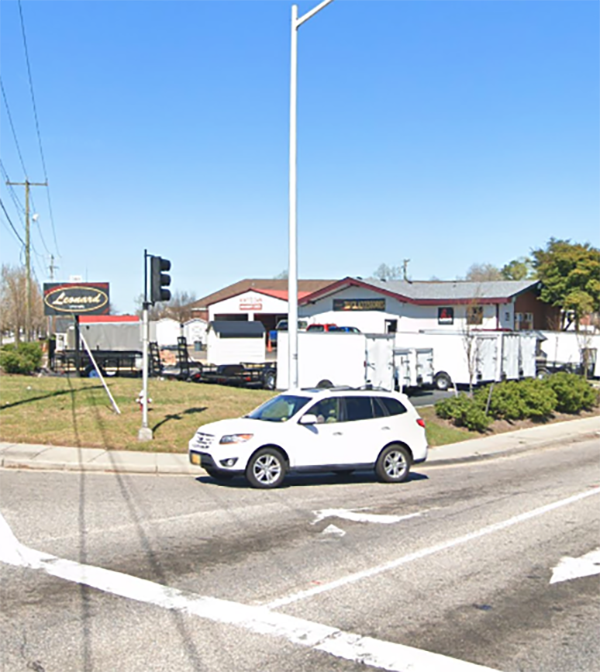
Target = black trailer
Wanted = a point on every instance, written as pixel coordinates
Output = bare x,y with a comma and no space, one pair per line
240,375
110,362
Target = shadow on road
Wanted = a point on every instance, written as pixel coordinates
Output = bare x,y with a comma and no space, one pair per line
303,480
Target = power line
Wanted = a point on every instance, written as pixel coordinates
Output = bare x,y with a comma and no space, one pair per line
20,208
37,125
12,226
12,127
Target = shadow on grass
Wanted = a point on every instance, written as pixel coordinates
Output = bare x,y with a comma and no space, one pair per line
48,396
179,416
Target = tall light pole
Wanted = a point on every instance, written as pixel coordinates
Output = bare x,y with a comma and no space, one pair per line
293,232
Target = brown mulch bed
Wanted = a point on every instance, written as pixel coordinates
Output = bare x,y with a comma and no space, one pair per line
500,426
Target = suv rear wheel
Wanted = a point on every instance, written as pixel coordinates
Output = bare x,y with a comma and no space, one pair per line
393,464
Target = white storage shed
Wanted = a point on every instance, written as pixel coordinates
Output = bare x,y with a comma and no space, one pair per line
233,342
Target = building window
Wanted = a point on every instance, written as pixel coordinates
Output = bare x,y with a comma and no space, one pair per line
391,326
523,321
446,315
474,314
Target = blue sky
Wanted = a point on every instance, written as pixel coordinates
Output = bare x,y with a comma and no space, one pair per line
443,132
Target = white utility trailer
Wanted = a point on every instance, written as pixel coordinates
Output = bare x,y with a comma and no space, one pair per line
474,357
338,358
413,367
568,351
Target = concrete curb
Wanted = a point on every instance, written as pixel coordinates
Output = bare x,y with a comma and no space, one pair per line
99,460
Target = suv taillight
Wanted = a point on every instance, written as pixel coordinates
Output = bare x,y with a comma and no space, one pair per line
421,422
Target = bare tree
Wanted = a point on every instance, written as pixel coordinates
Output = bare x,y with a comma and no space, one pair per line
471,338
13,298
178,307
385,272
483,273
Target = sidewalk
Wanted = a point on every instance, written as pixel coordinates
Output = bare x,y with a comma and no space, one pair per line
26,456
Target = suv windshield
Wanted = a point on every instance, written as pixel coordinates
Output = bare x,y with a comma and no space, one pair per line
279,409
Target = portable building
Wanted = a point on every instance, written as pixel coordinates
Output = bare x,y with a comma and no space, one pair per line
230,342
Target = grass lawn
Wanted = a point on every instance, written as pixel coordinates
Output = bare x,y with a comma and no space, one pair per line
64,411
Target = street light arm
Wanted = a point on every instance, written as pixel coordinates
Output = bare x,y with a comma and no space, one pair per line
312,12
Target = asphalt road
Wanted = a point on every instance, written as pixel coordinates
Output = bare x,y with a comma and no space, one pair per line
451,568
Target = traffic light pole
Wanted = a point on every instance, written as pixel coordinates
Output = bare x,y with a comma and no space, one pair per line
145,433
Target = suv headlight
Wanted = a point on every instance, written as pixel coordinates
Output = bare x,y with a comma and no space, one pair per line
235,438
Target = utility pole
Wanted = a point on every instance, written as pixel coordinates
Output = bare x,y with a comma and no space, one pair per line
27,184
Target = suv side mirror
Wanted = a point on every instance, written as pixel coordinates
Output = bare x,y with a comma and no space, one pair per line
308,419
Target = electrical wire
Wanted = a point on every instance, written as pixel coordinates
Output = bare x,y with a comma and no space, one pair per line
13,194
12,128
12,226
37,127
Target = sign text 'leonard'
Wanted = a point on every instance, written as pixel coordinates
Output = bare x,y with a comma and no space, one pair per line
81,298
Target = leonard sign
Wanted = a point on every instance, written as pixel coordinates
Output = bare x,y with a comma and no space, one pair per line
76,298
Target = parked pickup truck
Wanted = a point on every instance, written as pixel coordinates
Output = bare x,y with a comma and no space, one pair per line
282,325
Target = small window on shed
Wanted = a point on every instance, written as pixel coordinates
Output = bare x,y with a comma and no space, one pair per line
475,315
393,406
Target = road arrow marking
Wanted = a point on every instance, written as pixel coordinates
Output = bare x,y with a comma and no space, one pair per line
356,516
342,644
425,552
333,530
575,568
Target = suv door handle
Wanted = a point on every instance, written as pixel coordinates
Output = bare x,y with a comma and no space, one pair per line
386,428
337,433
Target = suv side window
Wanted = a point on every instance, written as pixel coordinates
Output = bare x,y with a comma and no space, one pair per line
358,408
393,406
326,410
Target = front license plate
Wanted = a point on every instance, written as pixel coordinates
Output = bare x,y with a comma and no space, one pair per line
195,458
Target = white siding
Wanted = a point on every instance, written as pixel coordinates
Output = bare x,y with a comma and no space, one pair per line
234,350
252,304
410,317
167,331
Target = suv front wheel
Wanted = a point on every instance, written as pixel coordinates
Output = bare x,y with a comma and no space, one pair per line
266,468
393,464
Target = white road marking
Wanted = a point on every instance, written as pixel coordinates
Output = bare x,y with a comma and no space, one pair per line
358,517
575,568
333,530
346,645
417,555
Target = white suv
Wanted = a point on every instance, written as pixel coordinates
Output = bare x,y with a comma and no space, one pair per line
338,429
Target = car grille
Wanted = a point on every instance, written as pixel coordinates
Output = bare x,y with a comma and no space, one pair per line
202,440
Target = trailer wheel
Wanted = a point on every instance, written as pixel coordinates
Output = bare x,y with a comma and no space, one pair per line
442,381
269,380
90,372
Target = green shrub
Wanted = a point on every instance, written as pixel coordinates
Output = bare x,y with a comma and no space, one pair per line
22,358
573,392
464,412
518,399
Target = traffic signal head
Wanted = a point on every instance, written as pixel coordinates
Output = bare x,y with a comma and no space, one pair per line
159,280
